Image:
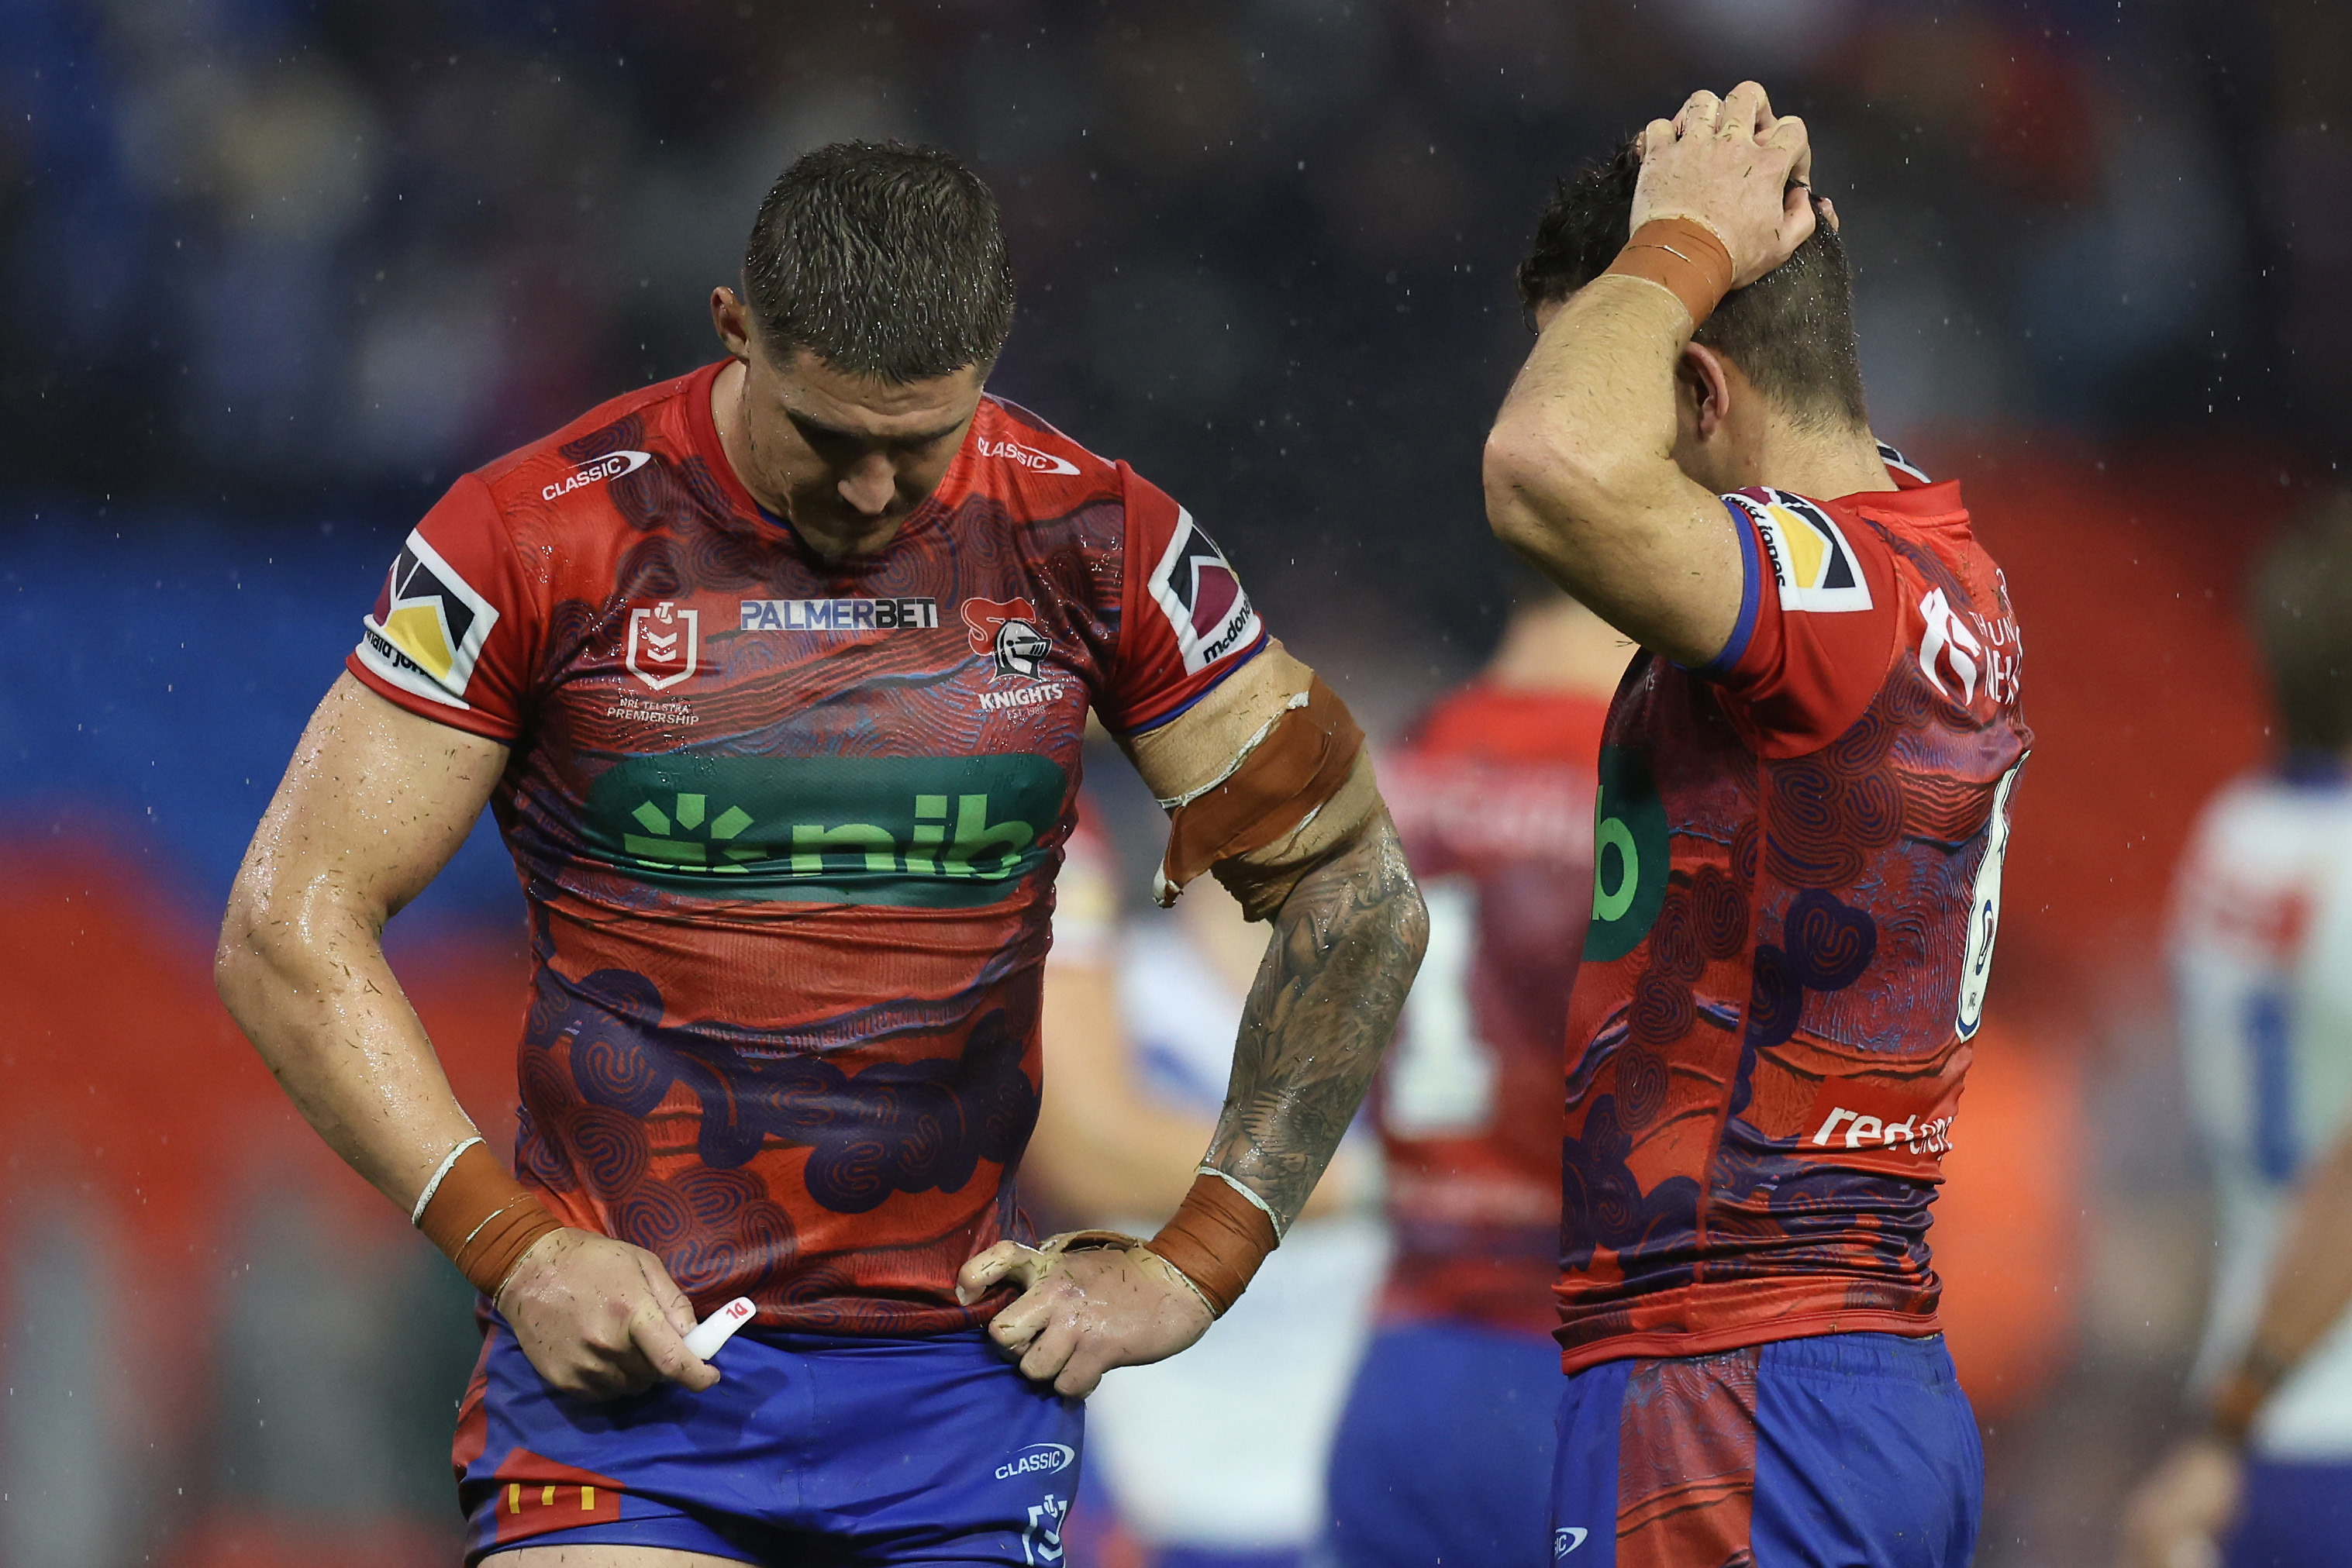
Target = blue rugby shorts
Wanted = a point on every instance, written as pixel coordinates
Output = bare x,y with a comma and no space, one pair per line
1851,1450
812,1448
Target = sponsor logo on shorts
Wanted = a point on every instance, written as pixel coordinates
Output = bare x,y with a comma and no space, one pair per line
840,614
1197,590
1041,1543
1038,1459
1567,1539
426,631
1027,456
1813,567
612,465
664,645
1004,630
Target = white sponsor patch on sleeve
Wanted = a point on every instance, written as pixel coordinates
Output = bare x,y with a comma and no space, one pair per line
428,627
1811,564
1212,616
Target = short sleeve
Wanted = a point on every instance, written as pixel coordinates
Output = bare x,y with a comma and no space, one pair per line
1185,622
450,633
1817,621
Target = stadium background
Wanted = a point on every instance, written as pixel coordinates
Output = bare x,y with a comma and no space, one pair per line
273,273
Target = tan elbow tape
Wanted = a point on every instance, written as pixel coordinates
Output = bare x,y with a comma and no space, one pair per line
1285,779
1216,1239
483,1219
1683,257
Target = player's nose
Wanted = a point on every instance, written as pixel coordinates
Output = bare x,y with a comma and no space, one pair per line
869,485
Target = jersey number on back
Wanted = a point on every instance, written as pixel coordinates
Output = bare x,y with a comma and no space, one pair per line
1984,910
1441,1081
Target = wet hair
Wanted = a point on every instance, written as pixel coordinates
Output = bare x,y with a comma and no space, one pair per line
1791,331
883,260
2300,608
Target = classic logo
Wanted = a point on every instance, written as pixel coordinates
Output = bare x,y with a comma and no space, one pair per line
1628,856
426,631
1202,599
927,832
1027,456
664,645
612,465
1005,629
1038,1459
840,614
1811,561
1567,1539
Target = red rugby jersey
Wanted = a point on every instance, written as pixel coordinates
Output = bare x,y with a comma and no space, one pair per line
787,828
1797,883
1493,798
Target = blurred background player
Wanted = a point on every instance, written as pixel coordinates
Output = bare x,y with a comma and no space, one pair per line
776,674
2262,952
1445,1453
1805,792
1135,1009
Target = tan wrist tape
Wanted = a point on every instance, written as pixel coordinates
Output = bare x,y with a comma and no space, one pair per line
483,1219
1217,1239
1684,257
1284,779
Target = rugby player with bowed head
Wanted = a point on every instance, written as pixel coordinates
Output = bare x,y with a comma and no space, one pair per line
775,676
1805,783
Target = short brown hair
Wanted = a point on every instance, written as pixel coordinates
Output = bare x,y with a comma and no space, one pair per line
2301,611
1791,331
883,260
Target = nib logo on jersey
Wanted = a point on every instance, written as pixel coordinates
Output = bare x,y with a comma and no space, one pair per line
1202,599
428,627
937,832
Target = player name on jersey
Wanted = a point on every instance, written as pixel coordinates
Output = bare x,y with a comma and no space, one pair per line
840,614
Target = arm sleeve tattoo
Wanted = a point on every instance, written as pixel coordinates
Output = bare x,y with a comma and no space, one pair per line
1346,944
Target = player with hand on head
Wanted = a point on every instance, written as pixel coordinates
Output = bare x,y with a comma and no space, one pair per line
775,676
1805,785
2262,960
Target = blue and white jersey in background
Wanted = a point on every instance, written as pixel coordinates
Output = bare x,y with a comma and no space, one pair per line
2262,955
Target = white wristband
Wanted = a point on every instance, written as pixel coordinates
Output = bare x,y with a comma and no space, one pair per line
416,1215
1205,1168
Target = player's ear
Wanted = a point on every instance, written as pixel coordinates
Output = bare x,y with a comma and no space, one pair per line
1702,392
732,322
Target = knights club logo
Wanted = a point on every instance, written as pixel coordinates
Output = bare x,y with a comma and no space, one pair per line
1005,629
664,645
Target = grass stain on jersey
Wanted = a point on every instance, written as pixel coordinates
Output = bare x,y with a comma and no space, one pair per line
940,832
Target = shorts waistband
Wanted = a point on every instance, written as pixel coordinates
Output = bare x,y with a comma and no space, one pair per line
1888,1357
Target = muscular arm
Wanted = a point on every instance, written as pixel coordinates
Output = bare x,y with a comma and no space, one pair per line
1580,469
373,806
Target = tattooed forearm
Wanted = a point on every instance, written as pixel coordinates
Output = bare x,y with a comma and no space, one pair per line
1346,943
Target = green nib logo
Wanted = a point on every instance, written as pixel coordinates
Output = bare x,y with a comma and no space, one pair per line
668,847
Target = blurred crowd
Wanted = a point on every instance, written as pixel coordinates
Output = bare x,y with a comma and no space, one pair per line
274,254
273,273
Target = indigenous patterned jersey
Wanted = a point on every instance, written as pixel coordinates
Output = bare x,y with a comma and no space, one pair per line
1797,882
787,828
1493,796
2262,960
